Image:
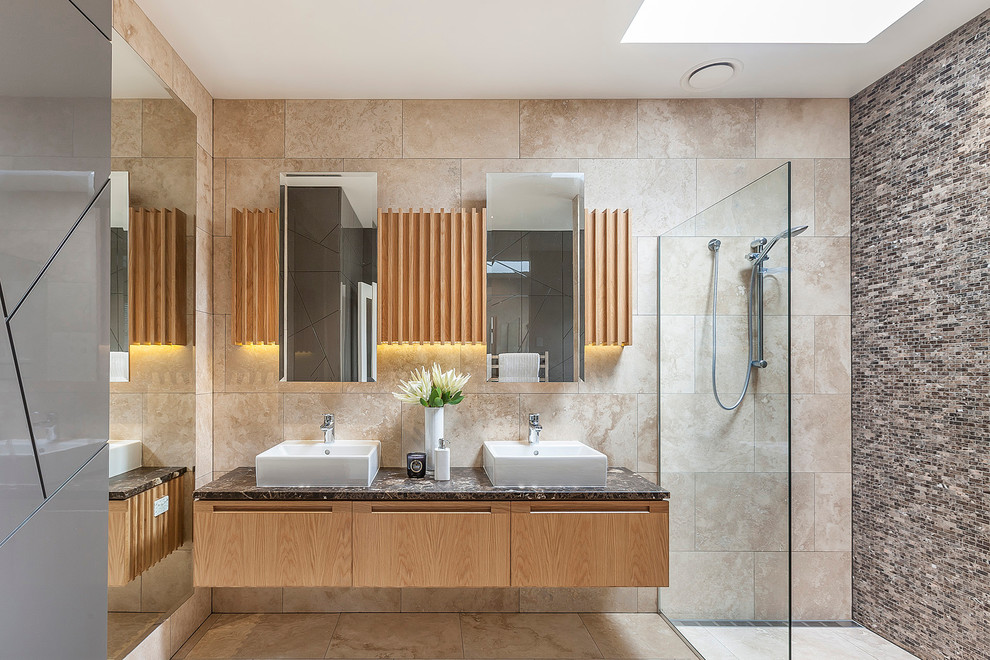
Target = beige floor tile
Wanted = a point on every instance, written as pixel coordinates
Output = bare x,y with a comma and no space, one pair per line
635,636
396,636
267,636
526,636
754,643
125,629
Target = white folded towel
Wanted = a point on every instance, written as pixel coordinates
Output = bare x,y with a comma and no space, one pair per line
518,367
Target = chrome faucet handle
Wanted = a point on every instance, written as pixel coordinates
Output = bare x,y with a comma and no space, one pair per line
534,420
328,421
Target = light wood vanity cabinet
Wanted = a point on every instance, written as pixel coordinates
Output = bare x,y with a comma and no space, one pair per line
431,544
590,544
272,544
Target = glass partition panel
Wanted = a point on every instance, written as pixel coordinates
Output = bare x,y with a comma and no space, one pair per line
724,325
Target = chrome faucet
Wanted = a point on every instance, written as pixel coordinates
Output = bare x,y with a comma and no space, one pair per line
328,429
534,429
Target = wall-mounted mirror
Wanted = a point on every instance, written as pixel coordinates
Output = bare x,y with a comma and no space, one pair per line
534,259
152,393
328,289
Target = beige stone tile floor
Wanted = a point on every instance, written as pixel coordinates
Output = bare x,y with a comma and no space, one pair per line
718,643
434,636
125,629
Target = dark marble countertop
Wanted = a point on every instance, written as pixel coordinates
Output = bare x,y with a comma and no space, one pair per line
464,484
138,480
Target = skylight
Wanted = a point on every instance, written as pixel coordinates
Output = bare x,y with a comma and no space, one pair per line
764,21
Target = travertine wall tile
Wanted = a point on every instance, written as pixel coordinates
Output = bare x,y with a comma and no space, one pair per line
821,431
697,128
244,425
431,183
204,191
833,511
125,128
126,416
588,599
460,600
168,129
169,431
832,355
661,194
821,585
247,599
343,129
772,587
802,128
648,432
249,128
460,129
832,197
142,35
741,511
715,585
598,128
802,511
606,422
340,599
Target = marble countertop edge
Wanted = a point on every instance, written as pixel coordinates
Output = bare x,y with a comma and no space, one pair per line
466,484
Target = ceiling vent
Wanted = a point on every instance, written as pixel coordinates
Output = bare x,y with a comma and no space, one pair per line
710,75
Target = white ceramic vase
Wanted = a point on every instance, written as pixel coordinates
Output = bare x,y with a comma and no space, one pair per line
433,433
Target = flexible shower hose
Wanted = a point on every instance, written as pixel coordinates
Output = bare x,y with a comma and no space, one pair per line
749,335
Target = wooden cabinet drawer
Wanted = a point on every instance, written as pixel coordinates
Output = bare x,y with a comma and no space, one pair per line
277,544
431,544
590,544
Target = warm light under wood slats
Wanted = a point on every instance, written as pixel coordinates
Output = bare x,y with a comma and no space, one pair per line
254,265
608,275
137,538
156,276
431,276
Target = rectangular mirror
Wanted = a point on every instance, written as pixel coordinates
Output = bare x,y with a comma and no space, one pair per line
328,288
535,223
119,214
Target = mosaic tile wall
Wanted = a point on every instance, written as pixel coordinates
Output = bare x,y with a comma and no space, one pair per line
921,356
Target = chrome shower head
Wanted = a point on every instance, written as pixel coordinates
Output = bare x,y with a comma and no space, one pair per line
788,233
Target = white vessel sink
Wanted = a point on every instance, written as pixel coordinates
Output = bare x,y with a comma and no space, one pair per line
550,463
296,464
125,455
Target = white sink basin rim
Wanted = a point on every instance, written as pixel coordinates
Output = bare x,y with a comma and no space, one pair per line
300,464
547,464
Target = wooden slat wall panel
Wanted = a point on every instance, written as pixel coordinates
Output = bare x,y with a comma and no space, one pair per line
608,274
156,276
431,286
254,267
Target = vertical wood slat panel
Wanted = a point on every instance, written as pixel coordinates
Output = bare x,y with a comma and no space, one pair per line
435,274
608,278
254,276
156,276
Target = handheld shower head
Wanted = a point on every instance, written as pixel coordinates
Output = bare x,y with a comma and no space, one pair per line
788,233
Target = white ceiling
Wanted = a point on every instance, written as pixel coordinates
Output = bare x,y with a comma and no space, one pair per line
505,49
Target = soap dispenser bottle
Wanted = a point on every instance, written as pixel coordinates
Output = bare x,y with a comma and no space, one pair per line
441,462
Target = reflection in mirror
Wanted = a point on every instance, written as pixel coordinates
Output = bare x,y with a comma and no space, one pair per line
119,206
328,277
152,414
534,258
